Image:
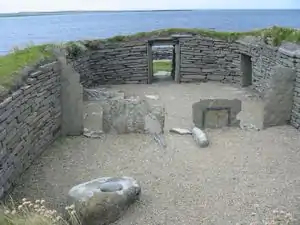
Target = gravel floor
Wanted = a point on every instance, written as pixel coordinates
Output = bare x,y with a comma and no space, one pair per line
241,176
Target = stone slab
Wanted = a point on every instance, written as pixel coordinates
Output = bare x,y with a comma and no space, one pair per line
278,97
216,113
132,115
71,97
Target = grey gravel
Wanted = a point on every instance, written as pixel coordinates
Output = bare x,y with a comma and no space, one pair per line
241,176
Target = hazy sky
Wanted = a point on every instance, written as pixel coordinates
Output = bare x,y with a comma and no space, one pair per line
55,5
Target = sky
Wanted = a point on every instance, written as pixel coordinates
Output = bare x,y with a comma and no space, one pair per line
7,6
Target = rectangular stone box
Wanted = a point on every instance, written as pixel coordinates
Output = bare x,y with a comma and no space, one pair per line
216,113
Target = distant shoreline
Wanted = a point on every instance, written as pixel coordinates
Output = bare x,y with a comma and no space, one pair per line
23,14
78,12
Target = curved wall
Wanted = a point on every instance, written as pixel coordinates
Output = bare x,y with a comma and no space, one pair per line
30,117
117,63
29,121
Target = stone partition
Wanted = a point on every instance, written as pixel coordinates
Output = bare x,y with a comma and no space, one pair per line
208,59
114,63
265,61
30,119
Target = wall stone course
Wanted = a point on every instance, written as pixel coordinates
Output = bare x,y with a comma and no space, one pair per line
29,116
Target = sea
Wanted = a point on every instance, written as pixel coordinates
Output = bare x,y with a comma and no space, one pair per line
21,31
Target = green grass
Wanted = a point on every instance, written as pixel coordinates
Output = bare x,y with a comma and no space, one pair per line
12,63
277,34
15,61
162,65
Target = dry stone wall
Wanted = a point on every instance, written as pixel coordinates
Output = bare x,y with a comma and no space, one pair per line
114,63
264,59
208,59
30,120
201,59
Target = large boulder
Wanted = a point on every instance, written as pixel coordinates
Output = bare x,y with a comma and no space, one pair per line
103,201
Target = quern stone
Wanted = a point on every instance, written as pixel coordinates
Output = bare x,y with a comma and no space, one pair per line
216,113
103,201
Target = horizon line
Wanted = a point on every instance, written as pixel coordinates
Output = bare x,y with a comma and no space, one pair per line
144,10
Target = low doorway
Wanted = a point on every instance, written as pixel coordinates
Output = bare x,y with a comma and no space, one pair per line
246,69
163,55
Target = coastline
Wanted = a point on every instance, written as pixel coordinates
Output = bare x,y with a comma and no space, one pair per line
75,12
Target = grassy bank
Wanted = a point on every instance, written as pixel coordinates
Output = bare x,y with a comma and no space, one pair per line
162,65
18,59
13,62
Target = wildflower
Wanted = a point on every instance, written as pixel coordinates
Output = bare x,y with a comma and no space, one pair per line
13,212
6,212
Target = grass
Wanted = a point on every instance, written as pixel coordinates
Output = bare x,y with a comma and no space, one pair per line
162,65
35,213
12,63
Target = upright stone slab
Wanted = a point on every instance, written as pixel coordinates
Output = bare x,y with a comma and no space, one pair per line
278,98
216,113
71,97
93,116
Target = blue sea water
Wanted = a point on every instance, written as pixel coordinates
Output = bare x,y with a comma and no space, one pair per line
20,31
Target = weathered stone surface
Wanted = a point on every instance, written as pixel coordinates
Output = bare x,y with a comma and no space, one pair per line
200,137
103,201
29,122
71,97
180,131
278,98
113,63
93,116
132,115
101,94
216,113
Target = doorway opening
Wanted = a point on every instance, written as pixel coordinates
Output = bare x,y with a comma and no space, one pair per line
162,58
246,69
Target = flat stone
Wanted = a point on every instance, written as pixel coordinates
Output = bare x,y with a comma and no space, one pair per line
216,113
102,94
278,97
92,134
104,200
152,97
290,49
111,186
180,131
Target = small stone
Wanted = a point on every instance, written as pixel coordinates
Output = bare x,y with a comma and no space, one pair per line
200,137
92,134
152,97
180,131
